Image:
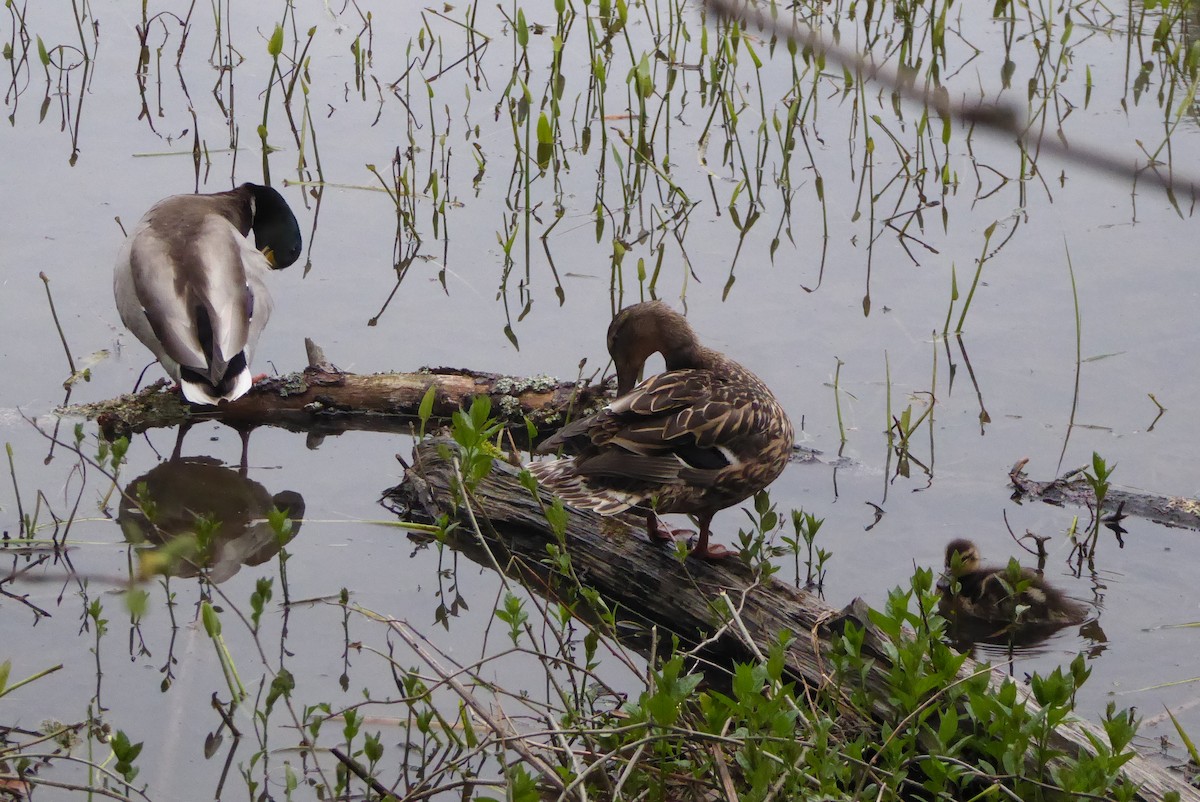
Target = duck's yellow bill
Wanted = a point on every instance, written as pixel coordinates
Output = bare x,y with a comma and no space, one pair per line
270,254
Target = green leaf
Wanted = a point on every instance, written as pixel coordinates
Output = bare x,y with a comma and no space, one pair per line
747,681
212,623
522,29
643,84
119,447
259,598
282,685
468,729
522,787
556,516
514,615
42,53
275,45
372,748
352,722
1187,741
125,753
137,601
425,410
527,481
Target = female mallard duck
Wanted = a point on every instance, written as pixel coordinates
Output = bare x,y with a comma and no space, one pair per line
1009,595
702,436
189,284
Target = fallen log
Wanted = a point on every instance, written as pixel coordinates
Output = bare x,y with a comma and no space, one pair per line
1072,488
614,557
326,401
323,400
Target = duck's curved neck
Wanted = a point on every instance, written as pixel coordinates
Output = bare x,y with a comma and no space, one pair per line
689,355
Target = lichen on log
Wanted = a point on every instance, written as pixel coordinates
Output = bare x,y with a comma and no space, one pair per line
324,400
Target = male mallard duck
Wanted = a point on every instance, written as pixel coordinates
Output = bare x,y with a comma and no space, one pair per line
189,284
1010,595
165,505
702,436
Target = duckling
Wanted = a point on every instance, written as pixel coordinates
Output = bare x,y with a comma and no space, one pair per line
1012,595
703,436
189,283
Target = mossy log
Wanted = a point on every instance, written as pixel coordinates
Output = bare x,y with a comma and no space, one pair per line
614,557
1072,488
325,401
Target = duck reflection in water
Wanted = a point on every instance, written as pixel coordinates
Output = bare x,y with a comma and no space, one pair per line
198,516
1008,605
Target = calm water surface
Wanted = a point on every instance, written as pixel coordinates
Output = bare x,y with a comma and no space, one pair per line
94,156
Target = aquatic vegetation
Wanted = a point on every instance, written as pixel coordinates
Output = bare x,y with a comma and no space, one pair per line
474,177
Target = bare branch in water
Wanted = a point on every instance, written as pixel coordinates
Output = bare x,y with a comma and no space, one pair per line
1002,118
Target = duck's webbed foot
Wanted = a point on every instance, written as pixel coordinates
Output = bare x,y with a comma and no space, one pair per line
712,551
657,530
709,551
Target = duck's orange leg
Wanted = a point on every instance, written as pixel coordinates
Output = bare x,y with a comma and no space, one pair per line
703,549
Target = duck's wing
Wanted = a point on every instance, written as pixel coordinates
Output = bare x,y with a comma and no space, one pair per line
198,284
193,292
257,267
681,426
986,585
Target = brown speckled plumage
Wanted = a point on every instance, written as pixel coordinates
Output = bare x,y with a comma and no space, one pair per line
702,436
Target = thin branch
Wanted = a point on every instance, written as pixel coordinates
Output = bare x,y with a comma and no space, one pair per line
1002,118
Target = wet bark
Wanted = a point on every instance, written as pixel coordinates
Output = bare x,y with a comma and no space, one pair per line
1072,488
324,401
650,585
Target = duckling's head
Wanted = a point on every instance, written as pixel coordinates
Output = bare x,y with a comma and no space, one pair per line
644,329
962,557
276,232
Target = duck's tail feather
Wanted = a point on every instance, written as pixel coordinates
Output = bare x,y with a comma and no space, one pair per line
234,384
578,491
